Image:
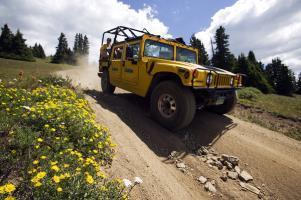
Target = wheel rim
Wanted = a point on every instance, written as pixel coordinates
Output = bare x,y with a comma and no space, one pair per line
167,105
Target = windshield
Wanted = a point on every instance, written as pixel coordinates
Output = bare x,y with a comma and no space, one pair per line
186,55
158,50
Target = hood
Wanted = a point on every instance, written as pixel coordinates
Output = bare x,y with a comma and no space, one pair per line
200,67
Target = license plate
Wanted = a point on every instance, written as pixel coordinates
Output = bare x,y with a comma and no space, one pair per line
219,100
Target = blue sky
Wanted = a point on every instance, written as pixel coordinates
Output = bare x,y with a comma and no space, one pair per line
183,17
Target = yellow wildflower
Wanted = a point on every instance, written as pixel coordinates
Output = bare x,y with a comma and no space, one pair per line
40,140
41,175
53,162
89,179
37,146
37,184
46,126
59,189
56,179
53,129
55,168
9,188
66,165
43,157
35,162
10,198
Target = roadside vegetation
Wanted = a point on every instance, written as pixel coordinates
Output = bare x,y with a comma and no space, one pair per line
51,146
276,112
10,69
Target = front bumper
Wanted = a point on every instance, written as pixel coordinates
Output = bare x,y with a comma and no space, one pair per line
205,97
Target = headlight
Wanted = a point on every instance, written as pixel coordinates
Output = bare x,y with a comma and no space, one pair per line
209,79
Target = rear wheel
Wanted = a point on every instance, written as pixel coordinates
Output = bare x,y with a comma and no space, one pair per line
172,105
226,107
106,86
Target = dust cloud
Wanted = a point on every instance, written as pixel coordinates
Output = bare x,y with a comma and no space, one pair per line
84,74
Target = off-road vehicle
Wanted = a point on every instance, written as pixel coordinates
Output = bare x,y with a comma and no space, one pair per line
166,71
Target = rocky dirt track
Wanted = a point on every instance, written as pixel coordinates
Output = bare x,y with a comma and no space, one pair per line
144,149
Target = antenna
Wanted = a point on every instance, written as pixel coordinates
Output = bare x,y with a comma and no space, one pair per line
212,47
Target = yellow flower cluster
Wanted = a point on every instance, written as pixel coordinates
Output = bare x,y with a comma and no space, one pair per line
7,188
69,146
36,179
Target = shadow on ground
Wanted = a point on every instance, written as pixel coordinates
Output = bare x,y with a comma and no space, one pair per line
205,129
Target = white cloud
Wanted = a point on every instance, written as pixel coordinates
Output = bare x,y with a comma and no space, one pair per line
43,20
269,27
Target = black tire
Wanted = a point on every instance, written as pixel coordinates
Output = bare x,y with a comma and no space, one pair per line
226,107
182,106
106,86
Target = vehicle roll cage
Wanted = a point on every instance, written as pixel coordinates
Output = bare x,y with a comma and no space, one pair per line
128,33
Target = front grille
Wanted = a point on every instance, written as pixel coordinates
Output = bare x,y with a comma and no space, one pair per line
222,81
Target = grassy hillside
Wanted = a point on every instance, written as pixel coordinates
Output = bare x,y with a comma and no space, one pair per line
283,106
11,68
276,112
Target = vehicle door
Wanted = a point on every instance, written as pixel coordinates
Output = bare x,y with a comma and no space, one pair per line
131,64
116,62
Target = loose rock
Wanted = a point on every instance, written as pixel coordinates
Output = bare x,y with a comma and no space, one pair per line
249,187
237,169
228,165
173,154
245,176
224,177
202,179
180,165
202,151
232,175
232,159
209,187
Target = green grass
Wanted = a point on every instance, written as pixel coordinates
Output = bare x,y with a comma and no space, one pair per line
283,106
10,69
275,112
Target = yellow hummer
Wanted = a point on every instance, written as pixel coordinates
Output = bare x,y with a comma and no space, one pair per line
166,71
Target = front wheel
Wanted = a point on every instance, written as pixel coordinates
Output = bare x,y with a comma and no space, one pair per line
106,86
172,105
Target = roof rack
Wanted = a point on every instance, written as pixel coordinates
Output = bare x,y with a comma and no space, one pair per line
128,33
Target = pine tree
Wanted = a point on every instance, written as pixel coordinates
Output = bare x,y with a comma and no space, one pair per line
76,40
6,39
222,55
280,77
62,51
41,52
86,46
254,77
202,54
80,44
38,51
19,47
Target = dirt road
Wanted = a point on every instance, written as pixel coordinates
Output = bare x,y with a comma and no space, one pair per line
143,147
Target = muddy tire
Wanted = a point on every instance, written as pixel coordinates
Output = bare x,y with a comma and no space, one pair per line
106,86
226,107
172,105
